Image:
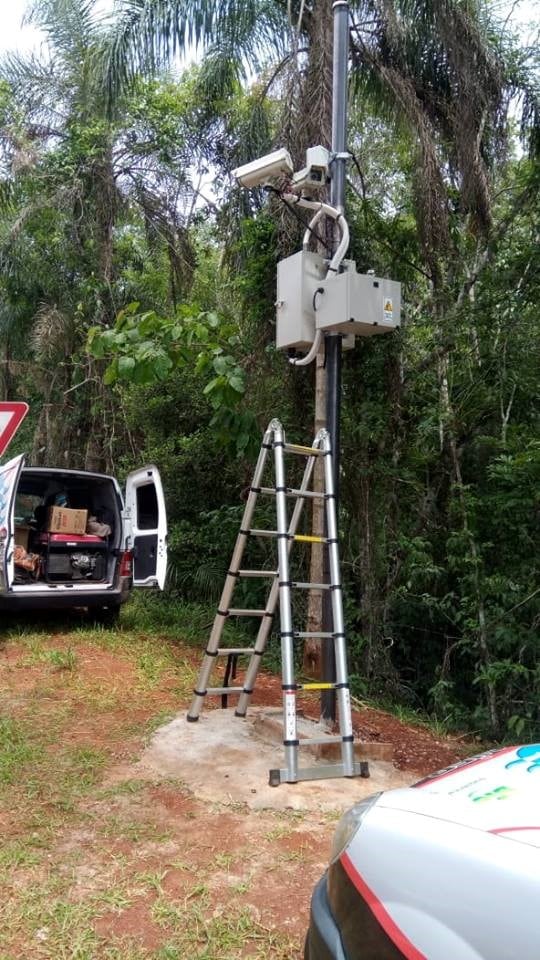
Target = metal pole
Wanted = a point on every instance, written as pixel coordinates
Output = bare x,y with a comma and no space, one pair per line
333,341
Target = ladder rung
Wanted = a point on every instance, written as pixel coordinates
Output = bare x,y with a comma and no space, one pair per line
315,686
304,538
216,691
300,635
318,741
234,651
310,494
300,537
257,573
303,451
239,612
293,492
310,586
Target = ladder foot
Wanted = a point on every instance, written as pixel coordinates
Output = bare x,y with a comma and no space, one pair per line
274,778
240,713
364,769
191,719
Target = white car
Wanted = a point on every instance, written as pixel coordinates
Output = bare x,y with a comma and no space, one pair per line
448,869
123,545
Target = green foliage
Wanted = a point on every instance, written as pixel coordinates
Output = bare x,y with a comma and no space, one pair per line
147,348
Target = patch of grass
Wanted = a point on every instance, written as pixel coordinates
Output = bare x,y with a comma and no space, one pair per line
16,750
116,899
85,764
330,816
241,887
189,622
62,659
158,720
126,950
199,936
412,717
285,816
168,914
278,832
199,890
50,925
223,860
294,856
17,853
152,880
154,661
183,865
125,788
136,831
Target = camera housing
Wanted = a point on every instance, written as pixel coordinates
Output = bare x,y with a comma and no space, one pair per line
314,176
258,172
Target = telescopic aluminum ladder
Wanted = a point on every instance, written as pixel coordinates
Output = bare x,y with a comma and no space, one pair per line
281,586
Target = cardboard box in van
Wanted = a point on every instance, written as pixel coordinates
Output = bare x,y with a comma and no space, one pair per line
63,520
22,535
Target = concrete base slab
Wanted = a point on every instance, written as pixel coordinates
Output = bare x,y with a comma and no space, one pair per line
223,758
268,725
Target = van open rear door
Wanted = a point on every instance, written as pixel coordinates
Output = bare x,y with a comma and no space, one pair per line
146,527
9,479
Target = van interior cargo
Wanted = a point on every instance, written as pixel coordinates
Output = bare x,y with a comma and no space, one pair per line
68,528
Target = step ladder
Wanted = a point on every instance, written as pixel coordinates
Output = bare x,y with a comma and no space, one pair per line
280,588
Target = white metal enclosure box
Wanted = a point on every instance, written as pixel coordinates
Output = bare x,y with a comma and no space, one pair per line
357,303
298,278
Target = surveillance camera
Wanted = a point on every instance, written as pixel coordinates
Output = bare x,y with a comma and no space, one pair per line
265,168
314,176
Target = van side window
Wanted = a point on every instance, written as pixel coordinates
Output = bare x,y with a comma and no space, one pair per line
147,507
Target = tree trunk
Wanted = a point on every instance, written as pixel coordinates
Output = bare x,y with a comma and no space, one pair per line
312,649
483,639
96,456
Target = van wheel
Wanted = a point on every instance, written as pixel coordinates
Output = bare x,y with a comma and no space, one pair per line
105,616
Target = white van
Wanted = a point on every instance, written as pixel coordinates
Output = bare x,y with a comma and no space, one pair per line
121,544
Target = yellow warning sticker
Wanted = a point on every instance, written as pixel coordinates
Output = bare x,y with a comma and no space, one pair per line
388,309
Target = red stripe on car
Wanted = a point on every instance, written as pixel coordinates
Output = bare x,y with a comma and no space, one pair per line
391,929
511,829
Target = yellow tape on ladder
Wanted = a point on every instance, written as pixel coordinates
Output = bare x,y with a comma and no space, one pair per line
300,449
306,539
316,686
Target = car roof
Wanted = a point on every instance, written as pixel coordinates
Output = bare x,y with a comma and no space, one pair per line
60,471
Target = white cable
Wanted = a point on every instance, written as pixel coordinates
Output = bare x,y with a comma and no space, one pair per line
336,260
309,357
321,208
310,228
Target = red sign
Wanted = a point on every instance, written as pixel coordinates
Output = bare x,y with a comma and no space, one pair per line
11,417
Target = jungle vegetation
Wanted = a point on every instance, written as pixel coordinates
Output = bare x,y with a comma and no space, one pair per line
137,290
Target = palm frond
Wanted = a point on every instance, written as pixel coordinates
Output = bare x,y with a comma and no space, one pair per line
152,33
52,334
437,69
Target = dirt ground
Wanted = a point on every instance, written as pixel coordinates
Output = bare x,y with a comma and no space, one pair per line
101,860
